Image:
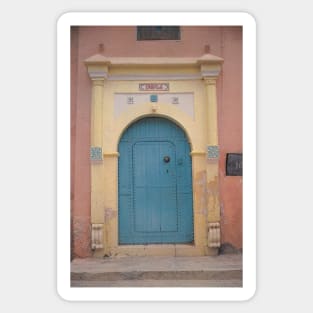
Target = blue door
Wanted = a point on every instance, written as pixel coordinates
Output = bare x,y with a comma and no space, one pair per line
155,186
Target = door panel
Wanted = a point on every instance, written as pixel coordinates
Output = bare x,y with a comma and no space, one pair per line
154,187
155,191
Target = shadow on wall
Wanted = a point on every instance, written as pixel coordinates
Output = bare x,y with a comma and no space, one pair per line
227,248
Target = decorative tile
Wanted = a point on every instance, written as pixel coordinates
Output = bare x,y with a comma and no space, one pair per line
175,100
96,153
213,152
130,100
154,98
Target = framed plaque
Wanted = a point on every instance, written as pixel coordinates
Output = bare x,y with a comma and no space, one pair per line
234,164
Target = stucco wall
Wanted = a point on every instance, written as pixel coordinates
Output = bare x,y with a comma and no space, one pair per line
225,42
230,135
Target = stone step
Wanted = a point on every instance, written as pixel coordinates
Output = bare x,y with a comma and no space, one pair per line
170,275
181,271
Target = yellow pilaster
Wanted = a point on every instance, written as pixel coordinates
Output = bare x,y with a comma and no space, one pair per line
212,194
96,111
199,197
98,80
210,85
109,187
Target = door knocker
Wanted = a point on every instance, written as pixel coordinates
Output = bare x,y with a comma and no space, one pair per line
166,159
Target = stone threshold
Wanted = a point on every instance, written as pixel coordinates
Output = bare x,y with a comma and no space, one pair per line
158,250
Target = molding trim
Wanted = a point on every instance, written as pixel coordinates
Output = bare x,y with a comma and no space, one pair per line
98,74
206,59
111,154
210,73
149,77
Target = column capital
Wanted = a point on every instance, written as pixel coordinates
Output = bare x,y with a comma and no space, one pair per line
210,73
210,81
98,67
97,81
98,75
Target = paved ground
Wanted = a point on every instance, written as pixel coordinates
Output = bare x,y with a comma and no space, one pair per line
158,283
205,271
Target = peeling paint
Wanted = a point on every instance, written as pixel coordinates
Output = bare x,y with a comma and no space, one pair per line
213,196
109,214
209,96
200,193
81,236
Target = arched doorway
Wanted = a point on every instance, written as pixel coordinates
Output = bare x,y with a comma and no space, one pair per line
154,184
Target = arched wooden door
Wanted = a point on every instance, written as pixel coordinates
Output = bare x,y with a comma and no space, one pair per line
155,184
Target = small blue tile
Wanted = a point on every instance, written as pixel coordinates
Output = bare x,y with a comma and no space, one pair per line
96,154
154,98
213,152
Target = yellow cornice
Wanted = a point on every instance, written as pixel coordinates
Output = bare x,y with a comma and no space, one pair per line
155,61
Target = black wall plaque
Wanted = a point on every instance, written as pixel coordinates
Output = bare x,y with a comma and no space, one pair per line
234,164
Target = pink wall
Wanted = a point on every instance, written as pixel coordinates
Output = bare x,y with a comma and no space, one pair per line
230,134
80,143
225,42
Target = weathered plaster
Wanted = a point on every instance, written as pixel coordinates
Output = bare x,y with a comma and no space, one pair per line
81,236
225,42
107,128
